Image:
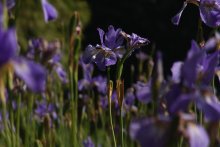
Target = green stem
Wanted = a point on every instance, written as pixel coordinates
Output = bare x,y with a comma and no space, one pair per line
18,121
122,127
110,109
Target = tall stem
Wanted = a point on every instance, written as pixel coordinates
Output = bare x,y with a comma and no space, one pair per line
110,84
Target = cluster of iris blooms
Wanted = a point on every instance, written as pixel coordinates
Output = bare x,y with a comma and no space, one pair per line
182,110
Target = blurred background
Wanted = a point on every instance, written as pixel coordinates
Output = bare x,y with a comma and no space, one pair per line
148,18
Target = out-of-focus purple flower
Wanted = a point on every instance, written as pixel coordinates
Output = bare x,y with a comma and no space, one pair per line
49,54
129,97
88,142
141,56
33,74
44,108
61,73
197,135
209,105
87,69
143,92
190,66
209,12
50,13
150,132
103,101
198,67
10,4
101,84
176,71
8,43
181,103
105,54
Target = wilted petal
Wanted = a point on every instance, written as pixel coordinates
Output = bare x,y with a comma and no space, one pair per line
210,12
8,46
198,136
176,19
33,74
50,13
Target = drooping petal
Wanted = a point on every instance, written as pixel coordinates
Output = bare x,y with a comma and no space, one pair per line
210,12
198,136
8,46
50,12
176,19
33,74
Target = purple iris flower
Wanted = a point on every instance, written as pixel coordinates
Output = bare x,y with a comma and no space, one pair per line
197,135
129,97
10,4
209,105
8,43
48,53
199,66
150,132
105,54
33,74
44,108
88,142
209,12
50,12
135,41
101,84
143,92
